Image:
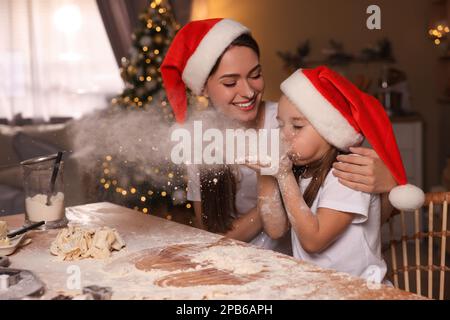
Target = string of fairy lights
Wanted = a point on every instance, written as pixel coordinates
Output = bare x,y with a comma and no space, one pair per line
144,91
439,33
109,181
141,71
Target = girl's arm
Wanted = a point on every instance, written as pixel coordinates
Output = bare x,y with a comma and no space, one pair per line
245,228
315,232
270,207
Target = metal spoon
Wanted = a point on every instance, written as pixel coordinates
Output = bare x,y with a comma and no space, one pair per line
25,229
54,174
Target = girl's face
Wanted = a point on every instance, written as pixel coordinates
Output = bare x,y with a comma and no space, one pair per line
236,88
304,144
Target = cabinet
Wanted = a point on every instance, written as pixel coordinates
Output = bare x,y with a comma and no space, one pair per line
408,132
409,135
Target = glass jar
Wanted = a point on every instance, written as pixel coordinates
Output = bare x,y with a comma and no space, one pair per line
42,201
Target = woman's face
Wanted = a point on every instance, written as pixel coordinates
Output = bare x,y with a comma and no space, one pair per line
304,144
236,88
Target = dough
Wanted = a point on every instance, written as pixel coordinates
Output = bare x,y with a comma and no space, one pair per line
4,241
75,243
3,229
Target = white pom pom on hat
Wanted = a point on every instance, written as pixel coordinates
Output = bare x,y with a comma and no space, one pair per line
406,197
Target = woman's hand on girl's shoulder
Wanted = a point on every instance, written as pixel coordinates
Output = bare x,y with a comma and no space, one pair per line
363,170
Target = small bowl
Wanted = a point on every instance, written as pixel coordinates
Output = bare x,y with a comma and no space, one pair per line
13,245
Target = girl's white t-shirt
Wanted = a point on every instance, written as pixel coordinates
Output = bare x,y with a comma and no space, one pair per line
246,188
357,250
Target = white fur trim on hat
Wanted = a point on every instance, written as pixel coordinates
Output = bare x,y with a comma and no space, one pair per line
406,197
208,51
322,115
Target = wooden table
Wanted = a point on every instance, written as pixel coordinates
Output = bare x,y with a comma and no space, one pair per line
161,261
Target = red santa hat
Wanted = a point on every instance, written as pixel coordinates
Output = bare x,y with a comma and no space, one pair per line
343,115
192,55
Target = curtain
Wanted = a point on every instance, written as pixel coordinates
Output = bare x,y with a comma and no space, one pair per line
55,59
182,10
121,17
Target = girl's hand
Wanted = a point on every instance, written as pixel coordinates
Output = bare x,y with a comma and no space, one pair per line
255,166
284,163
283,169
269,168
363,171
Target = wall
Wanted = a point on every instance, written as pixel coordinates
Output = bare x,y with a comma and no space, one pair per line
282,25
445,105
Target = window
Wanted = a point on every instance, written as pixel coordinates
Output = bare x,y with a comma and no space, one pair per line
55,59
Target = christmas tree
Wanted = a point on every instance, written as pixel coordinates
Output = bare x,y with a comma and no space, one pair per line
140,71
126,182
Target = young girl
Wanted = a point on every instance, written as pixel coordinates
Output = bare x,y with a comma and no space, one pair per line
219,58
320,115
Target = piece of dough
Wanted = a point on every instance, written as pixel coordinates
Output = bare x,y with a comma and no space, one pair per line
4,241
75,243
3,229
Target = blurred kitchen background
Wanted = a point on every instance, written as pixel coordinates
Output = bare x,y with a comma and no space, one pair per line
60,60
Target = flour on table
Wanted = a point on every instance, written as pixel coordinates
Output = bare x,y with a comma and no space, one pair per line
75,243
230,258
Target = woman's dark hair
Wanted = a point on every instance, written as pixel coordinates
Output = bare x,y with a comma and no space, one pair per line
218,186
218,193
244,40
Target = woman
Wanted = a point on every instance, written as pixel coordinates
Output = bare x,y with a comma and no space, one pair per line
219,59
